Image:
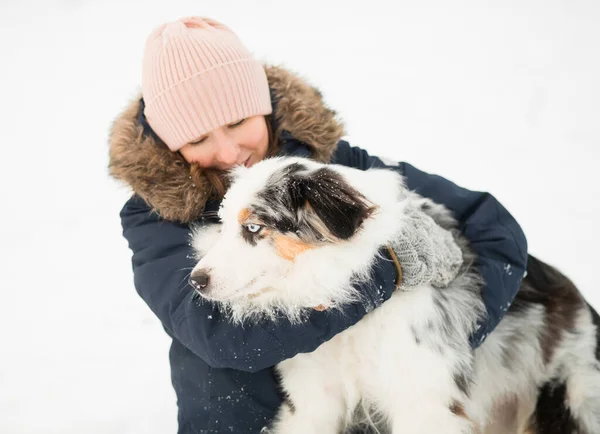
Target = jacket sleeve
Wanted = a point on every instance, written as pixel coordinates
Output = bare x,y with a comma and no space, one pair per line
162,261
494,235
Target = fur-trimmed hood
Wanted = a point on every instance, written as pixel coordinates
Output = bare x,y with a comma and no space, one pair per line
163,179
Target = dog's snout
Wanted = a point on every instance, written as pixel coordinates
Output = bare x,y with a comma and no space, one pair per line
199,279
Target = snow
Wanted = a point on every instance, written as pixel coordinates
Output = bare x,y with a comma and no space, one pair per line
502,99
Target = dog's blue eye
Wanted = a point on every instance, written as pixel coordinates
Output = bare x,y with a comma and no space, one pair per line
254,228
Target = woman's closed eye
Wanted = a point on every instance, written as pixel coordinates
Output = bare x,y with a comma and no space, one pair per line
230,126
237,124
199,141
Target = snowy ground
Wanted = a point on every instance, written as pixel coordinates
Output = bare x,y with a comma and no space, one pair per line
498,99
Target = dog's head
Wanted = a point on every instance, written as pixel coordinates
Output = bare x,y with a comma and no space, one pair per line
281,219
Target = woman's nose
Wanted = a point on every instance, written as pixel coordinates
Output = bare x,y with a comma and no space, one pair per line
228,152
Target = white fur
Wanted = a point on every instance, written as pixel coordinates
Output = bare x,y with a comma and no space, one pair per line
399,362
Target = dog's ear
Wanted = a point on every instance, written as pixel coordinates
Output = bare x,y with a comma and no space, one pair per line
325,202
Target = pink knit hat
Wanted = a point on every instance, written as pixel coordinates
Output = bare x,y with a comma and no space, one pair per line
197,76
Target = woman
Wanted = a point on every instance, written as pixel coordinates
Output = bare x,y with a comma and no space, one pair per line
207,106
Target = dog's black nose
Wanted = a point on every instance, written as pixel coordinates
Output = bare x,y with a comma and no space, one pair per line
199,280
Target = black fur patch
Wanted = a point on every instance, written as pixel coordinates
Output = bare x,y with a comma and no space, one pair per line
551,414
596,321
295,198
285,397
462,381
416,335
425,206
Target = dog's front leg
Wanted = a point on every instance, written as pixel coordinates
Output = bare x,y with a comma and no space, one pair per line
316,401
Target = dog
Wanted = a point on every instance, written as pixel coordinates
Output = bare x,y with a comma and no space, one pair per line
305,232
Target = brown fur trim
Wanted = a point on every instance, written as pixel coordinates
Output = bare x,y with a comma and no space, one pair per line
302,112
163,179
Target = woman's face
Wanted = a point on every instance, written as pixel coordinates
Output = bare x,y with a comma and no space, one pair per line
244,142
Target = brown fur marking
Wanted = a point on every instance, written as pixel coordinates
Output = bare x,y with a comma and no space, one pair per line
561,314
288,248
458,409
546,286
243,215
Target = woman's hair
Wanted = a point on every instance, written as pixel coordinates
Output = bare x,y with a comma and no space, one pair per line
218,179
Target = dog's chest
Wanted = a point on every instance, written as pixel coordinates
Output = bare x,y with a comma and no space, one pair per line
358,361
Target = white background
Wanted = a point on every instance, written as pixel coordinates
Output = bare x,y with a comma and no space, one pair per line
498,98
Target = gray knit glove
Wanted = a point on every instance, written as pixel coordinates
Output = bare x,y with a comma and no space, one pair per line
428,253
